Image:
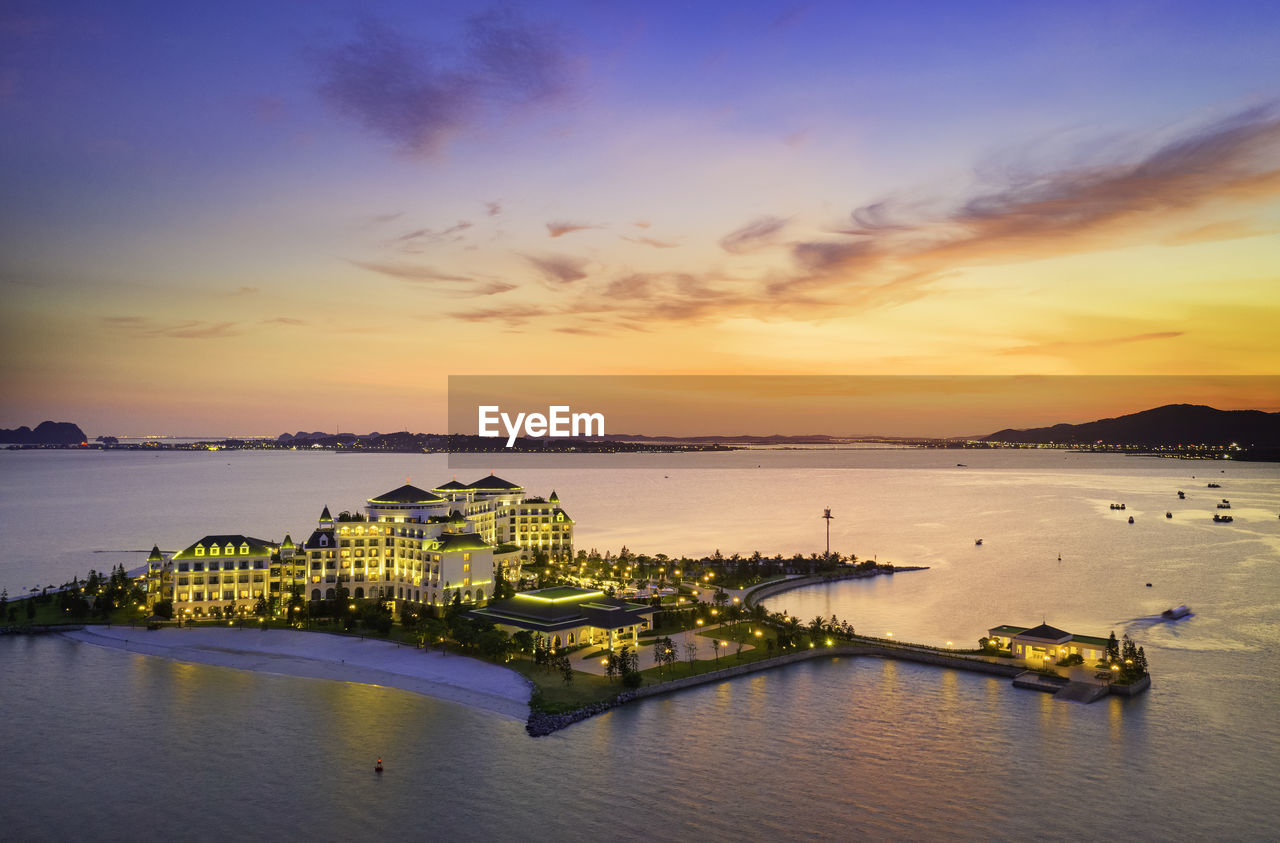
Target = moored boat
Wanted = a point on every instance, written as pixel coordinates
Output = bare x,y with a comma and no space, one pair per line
1174,614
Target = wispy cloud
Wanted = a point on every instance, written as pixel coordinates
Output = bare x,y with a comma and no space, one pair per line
412,242
191,329
404,92
1060,346
409,272
559,269
511,315
492,209
651,241
759,232
561,228
285,320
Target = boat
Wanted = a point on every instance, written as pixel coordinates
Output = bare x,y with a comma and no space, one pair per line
1226,504
1182,496
1168,515
377,768
1130,519
978,542
1174,614
1214,486
1222,519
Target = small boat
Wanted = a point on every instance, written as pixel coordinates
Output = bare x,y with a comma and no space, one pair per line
1122,506
1148,585
978,542
377,768
1222,519
1225,505
1214,486
961,465
1174,614
1182,496
1130,519
1168,515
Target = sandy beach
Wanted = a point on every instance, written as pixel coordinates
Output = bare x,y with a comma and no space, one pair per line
340,658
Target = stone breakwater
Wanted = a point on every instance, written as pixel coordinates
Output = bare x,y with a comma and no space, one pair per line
540,723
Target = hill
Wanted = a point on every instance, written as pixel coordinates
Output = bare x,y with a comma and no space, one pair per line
46,433
1173,424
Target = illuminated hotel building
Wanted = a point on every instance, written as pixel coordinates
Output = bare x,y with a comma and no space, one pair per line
409,544
424,546
229,573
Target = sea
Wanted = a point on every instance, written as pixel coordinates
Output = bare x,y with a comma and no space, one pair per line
109,745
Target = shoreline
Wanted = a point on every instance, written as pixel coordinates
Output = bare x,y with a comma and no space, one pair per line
339,658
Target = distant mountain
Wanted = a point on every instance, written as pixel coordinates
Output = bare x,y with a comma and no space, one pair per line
46,433
1173,424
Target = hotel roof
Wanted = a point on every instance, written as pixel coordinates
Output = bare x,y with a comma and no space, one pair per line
452,486
407,494
493,483
256,547
1045,633
462,541
563,607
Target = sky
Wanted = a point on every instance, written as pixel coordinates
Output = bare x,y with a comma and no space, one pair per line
250,218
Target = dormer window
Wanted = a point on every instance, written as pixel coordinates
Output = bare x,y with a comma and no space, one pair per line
213,550
199,550
244,550
324,541
230,549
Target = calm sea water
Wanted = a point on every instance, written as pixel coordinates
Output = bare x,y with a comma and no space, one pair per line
118,746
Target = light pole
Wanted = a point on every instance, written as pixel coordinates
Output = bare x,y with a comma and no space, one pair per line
827,516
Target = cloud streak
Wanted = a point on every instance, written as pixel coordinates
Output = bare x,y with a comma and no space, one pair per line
754,235
561,228
559,269
191,329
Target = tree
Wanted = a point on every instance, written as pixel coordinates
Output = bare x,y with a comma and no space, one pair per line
31,608
493,642
691,651
4,602
163,609
523,641
435,631
561,663
260,608
1113,648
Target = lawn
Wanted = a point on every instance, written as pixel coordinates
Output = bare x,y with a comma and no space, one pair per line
554,696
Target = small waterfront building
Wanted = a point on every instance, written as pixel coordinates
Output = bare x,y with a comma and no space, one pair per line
1036,643
566,616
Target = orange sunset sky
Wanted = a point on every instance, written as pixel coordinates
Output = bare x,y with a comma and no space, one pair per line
304,218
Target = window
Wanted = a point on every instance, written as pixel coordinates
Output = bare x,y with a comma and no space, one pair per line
183,566
199,550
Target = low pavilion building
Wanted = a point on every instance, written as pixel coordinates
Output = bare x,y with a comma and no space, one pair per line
1036,643
566,616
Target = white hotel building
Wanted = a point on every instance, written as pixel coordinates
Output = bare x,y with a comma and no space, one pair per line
409,544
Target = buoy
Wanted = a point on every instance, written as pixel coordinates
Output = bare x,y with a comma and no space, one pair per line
378,767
